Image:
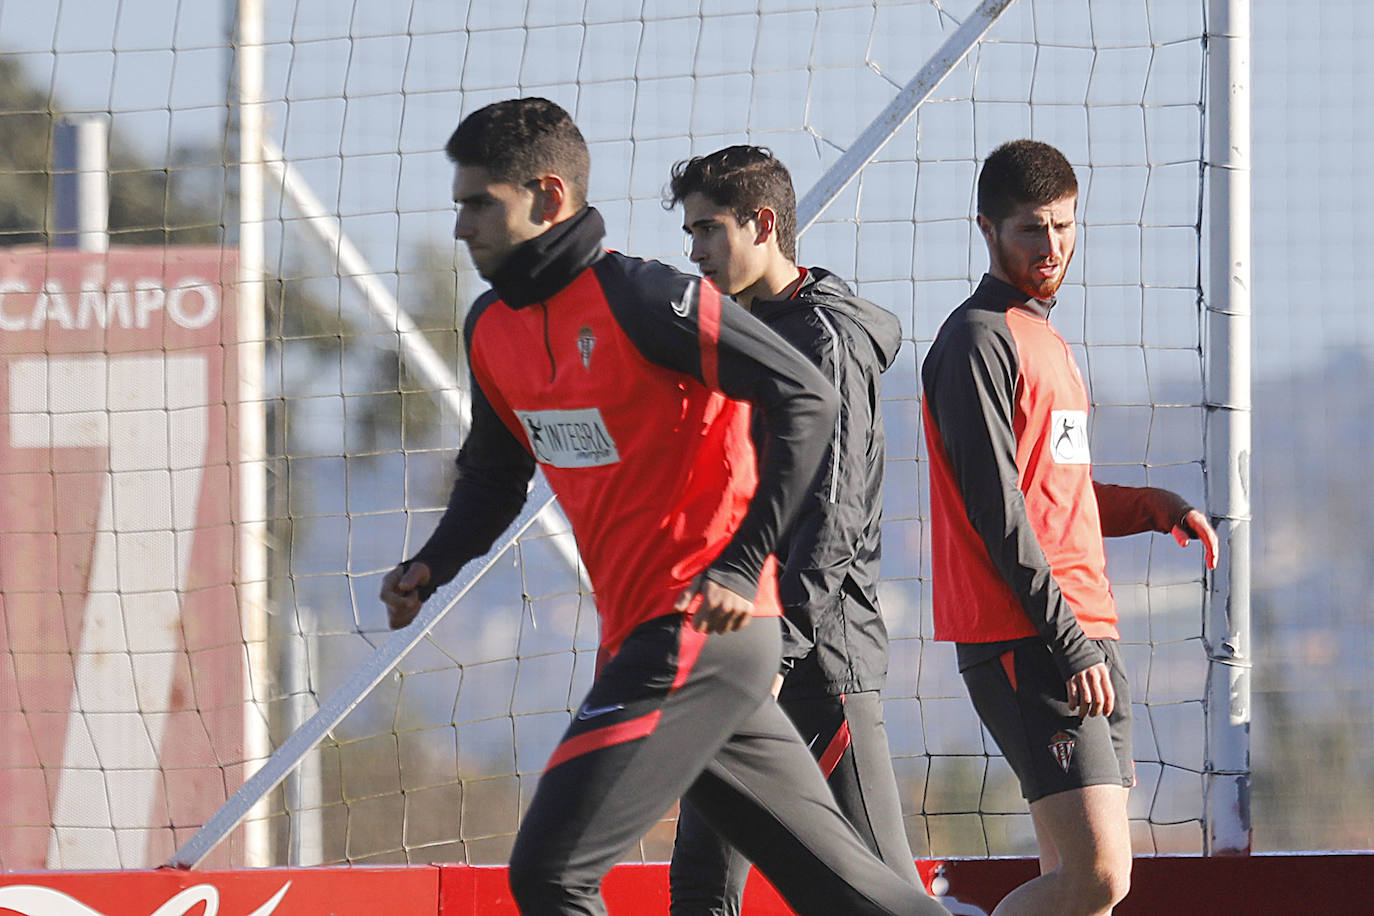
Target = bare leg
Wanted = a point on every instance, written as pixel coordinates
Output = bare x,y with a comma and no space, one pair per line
1085,855
1049,856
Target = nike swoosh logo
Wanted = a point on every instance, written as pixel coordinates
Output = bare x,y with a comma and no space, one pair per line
586,713
683,306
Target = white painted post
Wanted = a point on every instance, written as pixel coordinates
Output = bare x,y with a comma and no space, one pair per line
1227,429
252,464
81,184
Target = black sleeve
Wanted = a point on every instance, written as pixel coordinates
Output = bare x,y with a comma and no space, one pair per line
660,309
494,471
970,384
1131,510
819,547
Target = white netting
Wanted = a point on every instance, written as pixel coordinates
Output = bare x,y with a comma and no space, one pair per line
435,764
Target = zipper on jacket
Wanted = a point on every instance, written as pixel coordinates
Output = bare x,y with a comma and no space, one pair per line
839,419
548,347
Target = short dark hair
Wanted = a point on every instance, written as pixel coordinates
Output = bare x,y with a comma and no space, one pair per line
518,140
743,179
1023,172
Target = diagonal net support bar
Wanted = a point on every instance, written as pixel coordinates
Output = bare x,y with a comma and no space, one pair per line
351,692
902,107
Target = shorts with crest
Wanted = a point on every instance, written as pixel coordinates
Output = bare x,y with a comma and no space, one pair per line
1023,701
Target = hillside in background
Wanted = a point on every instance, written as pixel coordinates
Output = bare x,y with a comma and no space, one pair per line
1313,603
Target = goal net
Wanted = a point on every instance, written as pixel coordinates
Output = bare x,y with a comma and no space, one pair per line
362,398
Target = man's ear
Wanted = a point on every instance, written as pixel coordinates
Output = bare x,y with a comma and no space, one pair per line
986,227
551,193
767,220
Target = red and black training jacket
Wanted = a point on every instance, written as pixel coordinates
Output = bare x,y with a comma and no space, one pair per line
1016,519
631,385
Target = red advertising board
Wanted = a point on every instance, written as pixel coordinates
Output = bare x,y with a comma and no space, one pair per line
247,892
468,889
121,654
1327,883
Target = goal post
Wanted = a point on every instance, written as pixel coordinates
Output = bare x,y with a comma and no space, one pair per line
1227,626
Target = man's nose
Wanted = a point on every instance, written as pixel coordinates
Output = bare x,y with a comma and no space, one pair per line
1048,244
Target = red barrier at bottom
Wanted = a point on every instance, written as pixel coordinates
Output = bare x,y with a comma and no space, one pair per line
1323,885
395,891
1326,884
1331,883
628,889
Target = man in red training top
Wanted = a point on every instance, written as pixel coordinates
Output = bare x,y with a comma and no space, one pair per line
632,386
1017,523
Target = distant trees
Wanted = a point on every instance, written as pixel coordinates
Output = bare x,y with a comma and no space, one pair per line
178,202
317,333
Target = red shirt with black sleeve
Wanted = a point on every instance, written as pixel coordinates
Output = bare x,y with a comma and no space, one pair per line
631,385
1016,519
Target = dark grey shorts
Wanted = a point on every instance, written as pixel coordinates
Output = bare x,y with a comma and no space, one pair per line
1022,700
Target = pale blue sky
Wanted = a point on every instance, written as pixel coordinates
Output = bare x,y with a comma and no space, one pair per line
159,65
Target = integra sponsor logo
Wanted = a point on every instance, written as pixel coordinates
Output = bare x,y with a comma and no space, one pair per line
569,438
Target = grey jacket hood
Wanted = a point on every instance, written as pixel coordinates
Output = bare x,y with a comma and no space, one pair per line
824,289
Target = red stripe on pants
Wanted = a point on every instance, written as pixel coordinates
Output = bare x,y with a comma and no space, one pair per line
835,750
609,736
690,643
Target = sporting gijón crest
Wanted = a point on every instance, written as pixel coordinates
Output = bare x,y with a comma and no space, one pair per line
1061,746
586,341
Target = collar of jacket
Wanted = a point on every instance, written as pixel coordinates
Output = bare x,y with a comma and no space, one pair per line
1013,297
817,282
822,289
540,267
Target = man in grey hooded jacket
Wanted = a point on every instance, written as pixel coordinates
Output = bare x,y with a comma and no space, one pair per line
739,211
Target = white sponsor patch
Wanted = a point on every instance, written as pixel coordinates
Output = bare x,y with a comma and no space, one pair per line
569,438
1069,436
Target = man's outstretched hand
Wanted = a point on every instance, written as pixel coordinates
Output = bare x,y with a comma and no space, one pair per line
1195,525
401,593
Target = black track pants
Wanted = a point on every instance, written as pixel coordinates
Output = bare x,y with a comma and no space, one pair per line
849,743
676,714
